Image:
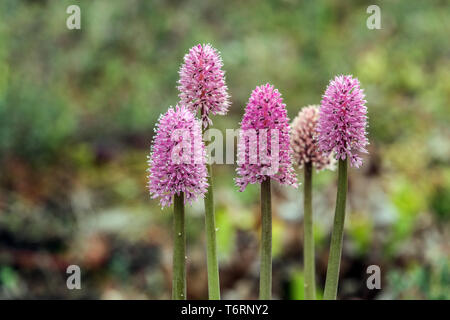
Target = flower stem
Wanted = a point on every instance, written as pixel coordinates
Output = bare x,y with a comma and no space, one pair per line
308,252
265,281
211,247
179,250
210,226
334,260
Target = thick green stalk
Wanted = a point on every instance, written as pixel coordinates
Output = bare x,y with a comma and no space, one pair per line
308,251
211,247
334,259
179,250
265,281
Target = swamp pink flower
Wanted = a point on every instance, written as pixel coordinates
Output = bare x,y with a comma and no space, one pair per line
343,120
202,83
177,162
266,117
304,140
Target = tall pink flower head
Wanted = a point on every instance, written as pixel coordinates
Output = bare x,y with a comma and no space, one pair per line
343,120
202,83
177,162
263,146
304,140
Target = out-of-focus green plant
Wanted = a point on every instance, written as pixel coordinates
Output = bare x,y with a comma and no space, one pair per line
226,233
8,278
410,202
440,198
297,287
34,124
422,282
360,228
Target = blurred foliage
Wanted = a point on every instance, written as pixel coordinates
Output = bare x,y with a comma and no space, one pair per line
77,111
440,199
422,282
30,132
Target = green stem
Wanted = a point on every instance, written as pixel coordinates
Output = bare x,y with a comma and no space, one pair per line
308,252
265,281
211,247
179,250
334,260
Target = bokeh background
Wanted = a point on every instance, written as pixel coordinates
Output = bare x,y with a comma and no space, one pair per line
77,111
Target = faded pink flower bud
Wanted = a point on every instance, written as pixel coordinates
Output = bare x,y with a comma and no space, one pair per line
202,83
343,120
177,162
263,148
304,140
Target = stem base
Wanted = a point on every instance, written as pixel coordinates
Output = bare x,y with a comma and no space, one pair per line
211,246
265,281
308,251
334,260
179,250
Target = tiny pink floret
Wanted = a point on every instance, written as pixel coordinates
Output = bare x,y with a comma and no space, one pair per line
177,162
265,115
202,83
343,120
304,140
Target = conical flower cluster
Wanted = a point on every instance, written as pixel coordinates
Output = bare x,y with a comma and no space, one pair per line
343,120
177,162
263,148
304,140
202,83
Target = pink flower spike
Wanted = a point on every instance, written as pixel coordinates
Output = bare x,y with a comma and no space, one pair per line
263,147
177,162
304,140
202,83
343,120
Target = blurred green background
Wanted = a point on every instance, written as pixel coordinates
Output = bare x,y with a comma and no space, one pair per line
77,111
